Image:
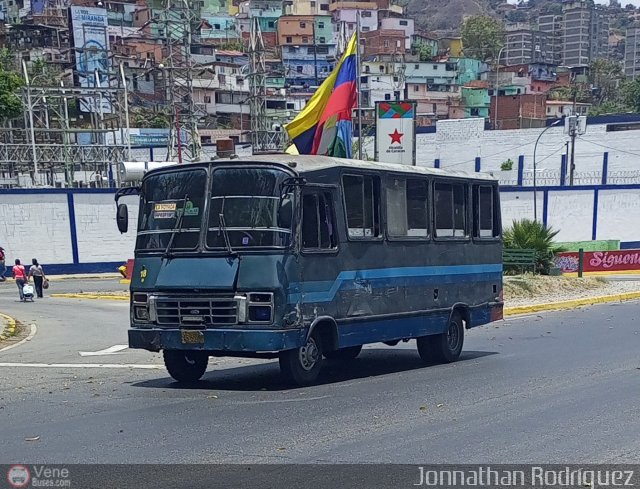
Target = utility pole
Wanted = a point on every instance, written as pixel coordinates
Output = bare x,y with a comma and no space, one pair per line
315,51
573,131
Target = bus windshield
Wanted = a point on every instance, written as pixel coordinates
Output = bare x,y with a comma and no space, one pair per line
245,204
164,198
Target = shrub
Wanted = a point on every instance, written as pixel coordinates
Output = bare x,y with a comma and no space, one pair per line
533,235
507,165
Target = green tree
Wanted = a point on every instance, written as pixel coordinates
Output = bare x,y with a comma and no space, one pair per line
605,77
10,103
482,37
422,50
631,95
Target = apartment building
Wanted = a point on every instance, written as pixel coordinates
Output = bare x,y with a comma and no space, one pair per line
585,33
632,53
525,44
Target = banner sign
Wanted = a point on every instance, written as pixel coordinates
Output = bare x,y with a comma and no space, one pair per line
600,261
396,132
91,44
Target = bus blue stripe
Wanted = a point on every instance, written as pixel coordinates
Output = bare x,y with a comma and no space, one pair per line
325,291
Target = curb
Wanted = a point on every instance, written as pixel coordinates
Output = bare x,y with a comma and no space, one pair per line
101,276
9,328
572,304
92,296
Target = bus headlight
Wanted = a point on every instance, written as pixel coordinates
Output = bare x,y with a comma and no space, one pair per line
255,307
141,305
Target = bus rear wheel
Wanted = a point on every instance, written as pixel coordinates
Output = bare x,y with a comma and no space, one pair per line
445,347
185,366
344,354
301,366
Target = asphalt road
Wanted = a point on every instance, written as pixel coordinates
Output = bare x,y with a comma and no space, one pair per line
555,388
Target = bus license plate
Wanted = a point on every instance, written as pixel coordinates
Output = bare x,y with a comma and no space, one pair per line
192,337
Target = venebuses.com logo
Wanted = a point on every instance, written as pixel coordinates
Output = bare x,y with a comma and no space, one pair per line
18,476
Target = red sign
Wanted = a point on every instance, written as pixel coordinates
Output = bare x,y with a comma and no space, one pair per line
600,261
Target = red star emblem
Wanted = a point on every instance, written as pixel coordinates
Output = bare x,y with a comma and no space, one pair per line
396,137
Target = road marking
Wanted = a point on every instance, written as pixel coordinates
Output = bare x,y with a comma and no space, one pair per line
33,332
82,365
112,350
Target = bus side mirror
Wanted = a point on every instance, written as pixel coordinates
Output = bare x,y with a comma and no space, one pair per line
122,218
285,213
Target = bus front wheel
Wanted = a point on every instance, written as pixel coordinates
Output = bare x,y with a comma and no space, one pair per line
302,365
445,347
185,366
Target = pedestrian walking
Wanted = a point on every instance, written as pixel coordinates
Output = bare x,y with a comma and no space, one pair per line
37,273
3,267
20,275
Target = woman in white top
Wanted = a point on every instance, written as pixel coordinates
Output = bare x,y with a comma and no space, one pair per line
36,271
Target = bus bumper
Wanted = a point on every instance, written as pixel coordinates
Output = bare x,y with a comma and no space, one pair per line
219,340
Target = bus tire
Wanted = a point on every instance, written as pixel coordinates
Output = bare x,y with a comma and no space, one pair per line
445,347
344,354
185,366
301,366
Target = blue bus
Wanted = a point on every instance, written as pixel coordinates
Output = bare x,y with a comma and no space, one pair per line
307,258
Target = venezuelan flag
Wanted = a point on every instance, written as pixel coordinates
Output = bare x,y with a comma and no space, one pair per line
324,126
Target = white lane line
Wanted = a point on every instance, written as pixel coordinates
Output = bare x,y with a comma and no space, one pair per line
82,365
33,332
112,350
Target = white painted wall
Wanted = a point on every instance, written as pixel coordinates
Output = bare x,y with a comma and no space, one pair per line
35,226
98,237
457,143
619,215
571,213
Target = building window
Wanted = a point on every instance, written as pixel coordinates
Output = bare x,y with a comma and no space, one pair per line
305,40
398,44
407,208
362,204
416,88
216,27
313,4
365,13
450,205
318,231
387,96
299,69
386,43
207,99
320,25
365,29
404,23
303,25
271,24
291,49
435,67
367,69
323,40
324,6
289,39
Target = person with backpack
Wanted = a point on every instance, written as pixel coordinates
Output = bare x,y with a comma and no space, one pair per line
20,275
39,278
3,268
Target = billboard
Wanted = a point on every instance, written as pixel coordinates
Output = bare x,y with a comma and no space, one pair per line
600,261
396,132
91,44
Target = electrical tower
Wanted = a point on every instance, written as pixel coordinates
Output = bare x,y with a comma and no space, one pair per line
178,21
264,138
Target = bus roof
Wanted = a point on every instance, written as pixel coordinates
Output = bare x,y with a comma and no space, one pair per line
312,163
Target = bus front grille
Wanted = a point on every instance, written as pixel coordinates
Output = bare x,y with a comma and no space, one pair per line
197,313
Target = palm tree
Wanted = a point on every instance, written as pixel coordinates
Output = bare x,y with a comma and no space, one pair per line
533,235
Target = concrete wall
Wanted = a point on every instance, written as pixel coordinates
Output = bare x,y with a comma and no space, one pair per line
457,143
67,231
75,231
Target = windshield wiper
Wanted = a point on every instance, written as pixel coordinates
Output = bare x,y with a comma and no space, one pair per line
222,228
177,228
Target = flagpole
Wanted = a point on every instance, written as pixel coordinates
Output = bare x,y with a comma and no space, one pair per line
358,84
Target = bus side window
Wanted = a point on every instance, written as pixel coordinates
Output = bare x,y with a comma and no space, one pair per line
362,203
407,210
450,209
317,221
485,221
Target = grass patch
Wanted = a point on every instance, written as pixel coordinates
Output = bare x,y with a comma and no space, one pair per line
529,286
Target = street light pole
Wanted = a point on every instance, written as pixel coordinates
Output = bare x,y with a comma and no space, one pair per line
495,116
535,187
